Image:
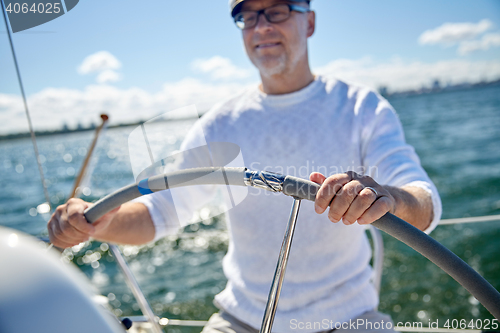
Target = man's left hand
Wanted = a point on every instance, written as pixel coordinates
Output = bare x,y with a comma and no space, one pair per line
352,197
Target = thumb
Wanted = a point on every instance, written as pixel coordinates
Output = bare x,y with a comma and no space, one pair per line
317,178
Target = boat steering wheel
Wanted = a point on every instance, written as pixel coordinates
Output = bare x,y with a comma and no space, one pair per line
299,189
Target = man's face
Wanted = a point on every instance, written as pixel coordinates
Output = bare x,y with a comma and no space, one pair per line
277,48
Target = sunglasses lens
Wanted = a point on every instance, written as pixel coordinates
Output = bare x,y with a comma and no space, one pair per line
277,13
274,14
245,20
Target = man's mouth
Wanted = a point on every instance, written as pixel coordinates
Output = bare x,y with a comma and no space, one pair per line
266,45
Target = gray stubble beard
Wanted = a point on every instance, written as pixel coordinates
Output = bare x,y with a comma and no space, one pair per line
269,71
279,68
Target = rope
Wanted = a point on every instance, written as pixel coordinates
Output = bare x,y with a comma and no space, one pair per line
33,138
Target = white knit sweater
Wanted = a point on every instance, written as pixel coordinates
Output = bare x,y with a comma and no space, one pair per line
328,126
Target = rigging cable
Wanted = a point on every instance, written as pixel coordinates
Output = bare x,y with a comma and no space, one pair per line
33,138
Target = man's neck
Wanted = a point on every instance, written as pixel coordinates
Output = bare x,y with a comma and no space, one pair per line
287,82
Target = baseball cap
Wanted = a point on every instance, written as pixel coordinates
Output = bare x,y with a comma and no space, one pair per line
235,5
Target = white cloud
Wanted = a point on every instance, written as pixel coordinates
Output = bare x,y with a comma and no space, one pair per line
52,107
98,62
399,75
452,33
220,68
485,43
108,76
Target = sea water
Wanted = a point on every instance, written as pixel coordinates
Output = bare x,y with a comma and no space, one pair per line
456,134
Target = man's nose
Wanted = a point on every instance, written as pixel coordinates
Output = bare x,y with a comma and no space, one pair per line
262,22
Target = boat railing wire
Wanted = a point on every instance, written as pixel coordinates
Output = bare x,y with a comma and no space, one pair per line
486,218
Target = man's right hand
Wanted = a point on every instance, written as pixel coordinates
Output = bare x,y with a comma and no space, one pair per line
68,226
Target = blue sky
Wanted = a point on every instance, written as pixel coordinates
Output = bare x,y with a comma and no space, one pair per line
162,55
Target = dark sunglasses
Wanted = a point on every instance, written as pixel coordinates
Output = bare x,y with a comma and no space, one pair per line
274,14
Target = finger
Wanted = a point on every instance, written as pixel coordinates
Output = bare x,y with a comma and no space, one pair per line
57,213
61,233
59,244
379,208
328,190
75,217
50,228
72,233
317,178
56,237
361,203
342,201
66,232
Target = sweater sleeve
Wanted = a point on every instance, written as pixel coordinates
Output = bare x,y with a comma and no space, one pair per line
387,157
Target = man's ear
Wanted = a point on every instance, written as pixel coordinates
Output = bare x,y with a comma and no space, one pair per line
311,23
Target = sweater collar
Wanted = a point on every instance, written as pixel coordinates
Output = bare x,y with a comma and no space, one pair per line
295,97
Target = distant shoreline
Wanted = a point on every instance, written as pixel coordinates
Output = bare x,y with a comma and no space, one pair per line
382,90
23,135
438,89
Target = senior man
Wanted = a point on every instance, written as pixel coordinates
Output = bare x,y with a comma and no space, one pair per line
293,119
